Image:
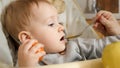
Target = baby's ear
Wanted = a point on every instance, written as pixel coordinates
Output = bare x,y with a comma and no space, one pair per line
24,35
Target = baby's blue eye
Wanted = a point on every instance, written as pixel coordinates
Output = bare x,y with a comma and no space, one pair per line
51,24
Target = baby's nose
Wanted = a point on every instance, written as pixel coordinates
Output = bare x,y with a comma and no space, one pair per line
61,28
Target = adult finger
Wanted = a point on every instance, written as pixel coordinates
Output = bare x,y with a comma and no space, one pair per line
104,21
40,55
36,48
29,44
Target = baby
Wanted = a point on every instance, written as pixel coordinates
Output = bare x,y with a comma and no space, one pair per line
31,25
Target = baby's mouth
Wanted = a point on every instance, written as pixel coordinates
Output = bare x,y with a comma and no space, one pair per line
62,38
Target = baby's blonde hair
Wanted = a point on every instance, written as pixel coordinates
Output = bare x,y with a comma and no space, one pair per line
15,18
17,15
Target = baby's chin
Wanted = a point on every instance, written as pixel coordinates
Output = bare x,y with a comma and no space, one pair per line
56,50
62,52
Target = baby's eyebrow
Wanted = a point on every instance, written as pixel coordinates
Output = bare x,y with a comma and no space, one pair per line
54,17
61,23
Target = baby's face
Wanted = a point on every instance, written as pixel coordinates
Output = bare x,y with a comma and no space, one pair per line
46,28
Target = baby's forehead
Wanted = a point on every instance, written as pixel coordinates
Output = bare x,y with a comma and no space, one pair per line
40,6
43,10
37,7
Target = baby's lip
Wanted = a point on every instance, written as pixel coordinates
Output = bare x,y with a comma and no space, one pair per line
62,38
